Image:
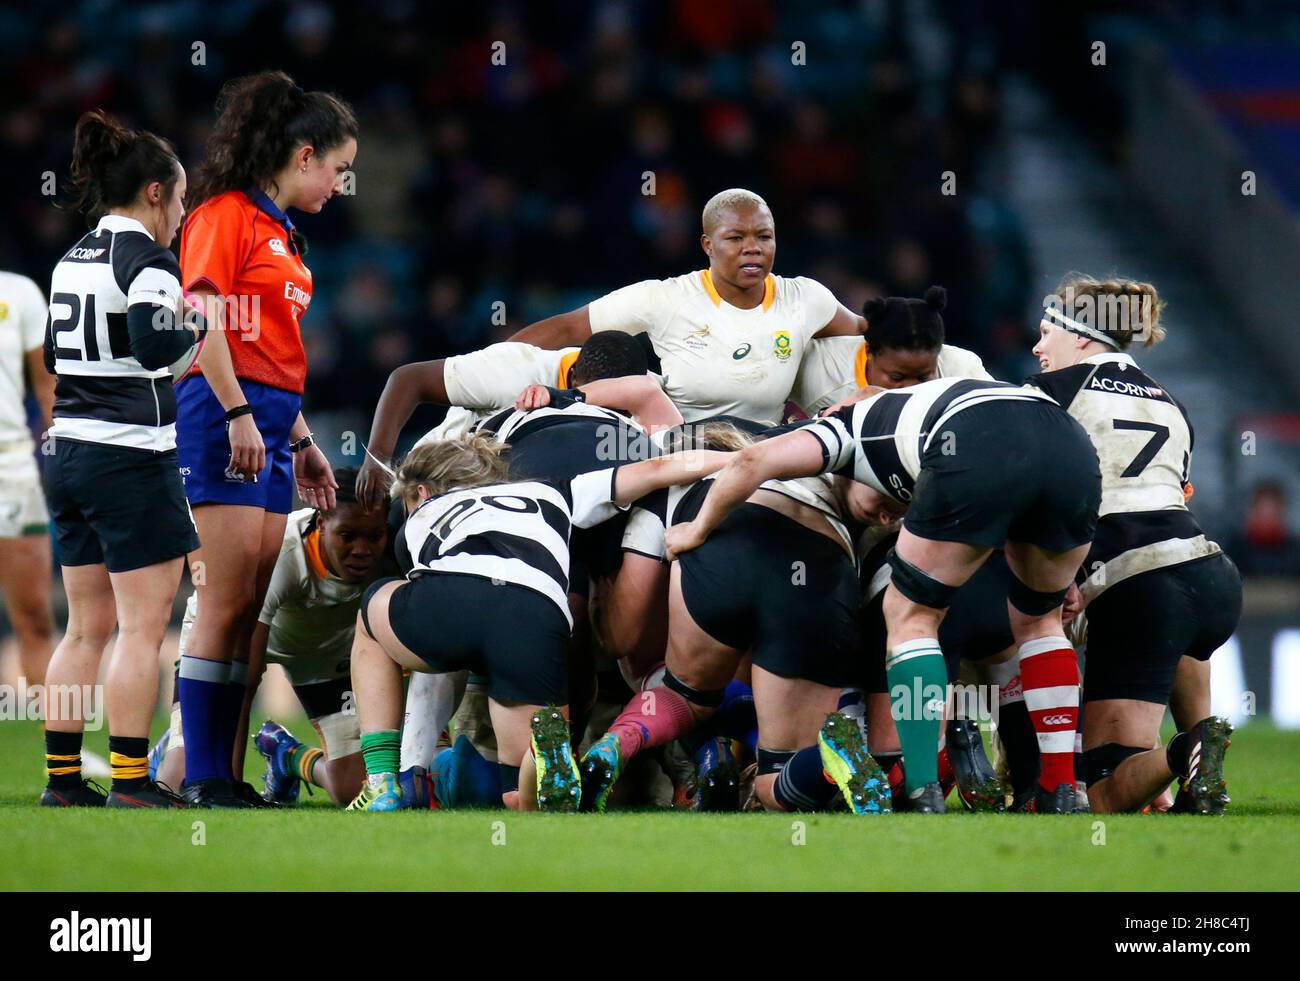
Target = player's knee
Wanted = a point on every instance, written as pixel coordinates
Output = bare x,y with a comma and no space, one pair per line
916,586
1034,602
32,623
703,701
1102,761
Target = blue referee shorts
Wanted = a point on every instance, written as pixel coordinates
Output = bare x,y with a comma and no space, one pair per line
204,448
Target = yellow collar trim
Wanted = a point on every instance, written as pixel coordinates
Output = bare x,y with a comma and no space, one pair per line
769,290
566,362
860,365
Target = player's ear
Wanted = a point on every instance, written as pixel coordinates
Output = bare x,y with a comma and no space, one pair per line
706,245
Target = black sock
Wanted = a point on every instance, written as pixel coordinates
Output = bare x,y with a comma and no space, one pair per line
129,757
886,761
802,785
1177,754
1019,743
63,759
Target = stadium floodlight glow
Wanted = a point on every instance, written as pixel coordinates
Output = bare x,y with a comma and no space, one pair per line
1228,684
1286,679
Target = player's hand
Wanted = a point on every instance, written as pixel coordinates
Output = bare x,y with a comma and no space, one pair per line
1073,605
533,397
373,482
315,478
683,538
247,451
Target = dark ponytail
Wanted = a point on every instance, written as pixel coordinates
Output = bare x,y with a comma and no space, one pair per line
906,324
110,164
261,120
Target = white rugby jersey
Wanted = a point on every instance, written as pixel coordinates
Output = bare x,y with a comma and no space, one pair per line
718,359
482,383
1144,443
103,395
836,367
312,614
514,533
22,328
879,441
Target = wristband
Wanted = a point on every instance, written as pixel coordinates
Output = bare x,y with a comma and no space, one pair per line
239,410
297,446
565,396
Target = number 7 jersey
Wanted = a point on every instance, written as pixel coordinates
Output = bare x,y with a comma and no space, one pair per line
1144,442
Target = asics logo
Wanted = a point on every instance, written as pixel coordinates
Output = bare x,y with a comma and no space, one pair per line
1058,720
741,352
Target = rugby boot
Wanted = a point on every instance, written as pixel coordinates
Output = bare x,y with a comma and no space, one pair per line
150,794
978,787
926,800
676,761
846,761
380,792
247,792
601,767
280,782
717,780
1207,791
416,784
213,792
559,784
1062,800
87,793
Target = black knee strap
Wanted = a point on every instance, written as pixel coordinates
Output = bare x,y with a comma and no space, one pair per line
1101,761
773,760
918,585
705,699
509,777
1030,601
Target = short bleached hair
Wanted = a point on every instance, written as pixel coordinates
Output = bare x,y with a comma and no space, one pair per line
732,199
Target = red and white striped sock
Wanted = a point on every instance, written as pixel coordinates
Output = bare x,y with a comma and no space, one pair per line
1049,676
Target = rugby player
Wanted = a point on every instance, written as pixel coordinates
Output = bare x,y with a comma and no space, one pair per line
939,449
903,346
123,525
778,570
306,626
495,550
730,339
25,563
1160,597
494,381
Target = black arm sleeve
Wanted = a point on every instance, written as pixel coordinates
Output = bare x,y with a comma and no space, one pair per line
49,343
158,337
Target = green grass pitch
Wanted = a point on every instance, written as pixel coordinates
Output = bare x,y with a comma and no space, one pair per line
1256,846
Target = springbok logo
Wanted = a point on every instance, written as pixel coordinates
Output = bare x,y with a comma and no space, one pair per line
781,346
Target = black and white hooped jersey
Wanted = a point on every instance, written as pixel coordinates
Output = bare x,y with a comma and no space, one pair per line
1144,443
880,441
103,394
514,533
515,424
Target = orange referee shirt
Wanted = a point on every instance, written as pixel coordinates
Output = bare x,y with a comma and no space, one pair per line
244,250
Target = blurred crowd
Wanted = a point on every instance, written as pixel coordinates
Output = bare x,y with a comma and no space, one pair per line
489,195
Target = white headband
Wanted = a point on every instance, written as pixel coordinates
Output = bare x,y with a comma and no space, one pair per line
1083,330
